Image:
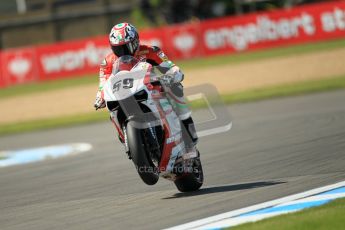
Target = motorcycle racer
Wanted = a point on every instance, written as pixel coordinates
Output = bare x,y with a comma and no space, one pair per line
124,40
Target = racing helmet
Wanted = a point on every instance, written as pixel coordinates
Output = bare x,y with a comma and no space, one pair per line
124,39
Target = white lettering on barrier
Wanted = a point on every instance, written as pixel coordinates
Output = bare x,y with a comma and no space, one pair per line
74,59
331,21
264,29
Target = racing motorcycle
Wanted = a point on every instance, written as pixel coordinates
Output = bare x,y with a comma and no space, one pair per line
155,139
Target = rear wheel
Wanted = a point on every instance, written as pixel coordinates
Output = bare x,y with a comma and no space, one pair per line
145,167
191,181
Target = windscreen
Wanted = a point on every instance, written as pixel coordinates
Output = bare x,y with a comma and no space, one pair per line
124,63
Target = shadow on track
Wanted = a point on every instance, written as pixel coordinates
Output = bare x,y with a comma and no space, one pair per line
226,188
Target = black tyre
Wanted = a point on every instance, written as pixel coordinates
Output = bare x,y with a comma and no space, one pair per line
144,165
191,181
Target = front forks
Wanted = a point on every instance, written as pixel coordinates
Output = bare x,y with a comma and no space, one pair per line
126,142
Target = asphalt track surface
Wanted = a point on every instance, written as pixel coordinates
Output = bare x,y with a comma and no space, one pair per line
275,148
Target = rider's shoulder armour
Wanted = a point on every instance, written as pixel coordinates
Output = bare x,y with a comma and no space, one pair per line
107,64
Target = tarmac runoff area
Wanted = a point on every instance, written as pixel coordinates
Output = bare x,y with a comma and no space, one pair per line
275,148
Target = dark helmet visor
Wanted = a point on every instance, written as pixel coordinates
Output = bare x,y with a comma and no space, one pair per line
121,50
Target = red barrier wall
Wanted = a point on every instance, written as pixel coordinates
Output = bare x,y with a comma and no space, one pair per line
218,36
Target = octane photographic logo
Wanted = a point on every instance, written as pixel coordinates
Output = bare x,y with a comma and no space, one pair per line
213,118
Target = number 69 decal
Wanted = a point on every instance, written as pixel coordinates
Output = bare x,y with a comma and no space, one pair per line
127,83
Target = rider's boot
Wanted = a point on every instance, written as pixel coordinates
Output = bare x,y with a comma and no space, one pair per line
192,138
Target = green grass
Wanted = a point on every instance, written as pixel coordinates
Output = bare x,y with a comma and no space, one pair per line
42,124
261,54
246,96
328,216
295,89
286,90
186,64
49,85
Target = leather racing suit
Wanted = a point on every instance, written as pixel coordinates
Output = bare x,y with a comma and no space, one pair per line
156,57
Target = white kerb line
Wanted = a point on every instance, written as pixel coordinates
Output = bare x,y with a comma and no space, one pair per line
208,220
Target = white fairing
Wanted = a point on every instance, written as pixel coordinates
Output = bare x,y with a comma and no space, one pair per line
174,135
115,88
123,84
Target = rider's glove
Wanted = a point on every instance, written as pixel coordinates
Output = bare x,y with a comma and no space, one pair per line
176,74
99,102
167,79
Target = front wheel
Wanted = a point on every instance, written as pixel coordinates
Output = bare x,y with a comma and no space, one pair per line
191,181
141,159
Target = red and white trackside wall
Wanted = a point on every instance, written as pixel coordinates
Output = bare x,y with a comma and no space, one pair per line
317,22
